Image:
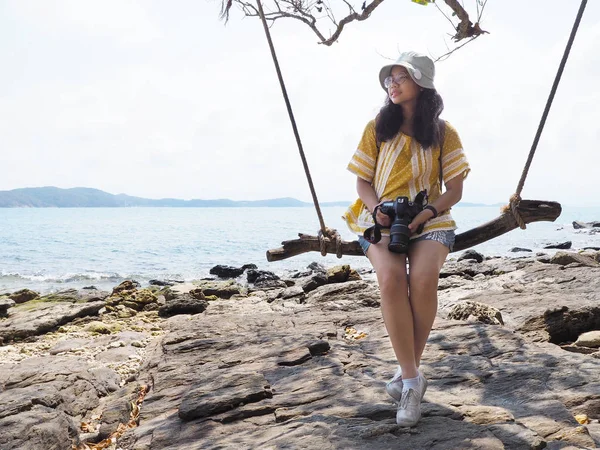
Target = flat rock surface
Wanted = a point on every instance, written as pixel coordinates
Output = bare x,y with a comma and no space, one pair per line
272,370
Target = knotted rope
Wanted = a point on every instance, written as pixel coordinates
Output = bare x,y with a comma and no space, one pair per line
325,237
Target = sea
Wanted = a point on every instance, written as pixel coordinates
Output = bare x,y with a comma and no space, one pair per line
53,249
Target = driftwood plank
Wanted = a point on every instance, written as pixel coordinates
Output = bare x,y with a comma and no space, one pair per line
530,211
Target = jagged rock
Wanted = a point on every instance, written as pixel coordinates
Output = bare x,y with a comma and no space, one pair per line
254,276
68,345
519,249
222,289
341,274
223,393
301,274
316,267
318,348
127,285
198,294
75,296
316,280
24,295
294,292
117,410
471,255
144,299
270,284
223,271
563,324
98,327
42,396
479,311
132,299
38,428
590,339
344,296
576,349
565,258
5,303
161,283
561,246
182,304
34,319
579,225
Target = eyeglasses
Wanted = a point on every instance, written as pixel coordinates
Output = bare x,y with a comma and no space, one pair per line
398,79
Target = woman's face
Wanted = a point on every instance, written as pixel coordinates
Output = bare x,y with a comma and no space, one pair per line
402,90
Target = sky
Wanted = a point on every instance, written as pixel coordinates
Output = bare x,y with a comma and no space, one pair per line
162,99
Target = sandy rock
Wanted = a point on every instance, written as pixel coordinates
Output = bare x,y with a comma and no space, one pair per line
471,255
590,339
182,304
24,295
478,311
127,285
345,296
562,245
565,258
68,345
222,289
35,319
5,303
519,249
223,271
341,274
254,276
43,397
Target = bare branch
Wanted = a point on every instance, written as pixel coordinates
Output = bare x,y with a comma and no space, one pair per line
314,12
447,55
465,28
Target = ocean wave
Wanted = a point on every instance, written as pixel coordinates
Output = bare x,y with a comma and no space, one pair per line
62,278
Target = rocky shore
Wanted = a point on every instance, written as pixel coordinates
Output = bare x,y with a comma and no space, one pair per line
248,360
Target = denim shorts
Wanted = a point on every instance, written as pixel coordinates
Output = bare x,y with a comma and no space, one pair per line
446,237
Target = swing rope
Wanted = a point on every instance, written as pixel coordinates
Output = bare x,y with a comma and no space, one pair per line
515,199
325,234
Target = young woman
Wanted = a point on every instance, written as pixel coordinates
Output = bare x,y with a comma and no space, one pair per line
399,155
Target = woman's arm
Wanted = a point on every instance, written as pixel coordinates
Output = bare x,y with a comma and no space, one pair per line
366,193
369,198
451,197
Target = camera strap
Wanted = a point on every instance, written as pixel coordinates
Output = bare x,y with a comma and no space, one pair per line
373,234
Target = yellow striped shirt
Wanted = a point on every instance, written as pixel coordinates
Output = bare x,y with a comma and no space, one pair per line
401,167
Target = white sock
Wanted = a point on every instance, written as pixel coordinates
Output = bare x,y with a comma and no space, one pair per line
410,383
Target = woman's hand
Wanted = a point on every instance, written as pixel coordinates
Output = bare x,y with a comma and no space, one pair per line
383,219
420,218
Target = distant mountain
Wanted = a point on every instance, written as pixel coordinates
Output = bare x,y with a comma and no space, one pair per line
53,197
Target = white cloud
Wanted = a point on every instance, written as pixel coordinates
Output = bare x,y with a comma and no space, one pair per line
164,100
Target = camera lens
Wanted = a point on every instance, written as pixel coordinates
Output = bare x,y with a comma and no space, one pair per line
399,236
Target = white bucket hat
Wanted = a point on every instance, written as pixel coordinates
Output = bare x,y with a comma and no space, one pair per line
420,68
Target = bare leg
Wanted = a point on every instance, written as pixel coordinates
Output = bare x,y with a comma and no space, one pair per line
426,259
395,306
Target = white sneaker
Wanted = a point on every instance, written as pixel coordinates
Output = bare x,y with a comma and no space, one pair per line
409,409
395,385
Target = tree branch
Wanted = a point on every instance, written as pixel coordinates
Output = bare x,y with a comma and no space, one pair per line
465,29
310,12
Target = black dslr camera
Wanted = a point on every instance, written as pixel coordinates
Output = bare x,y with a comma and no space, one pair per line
402,211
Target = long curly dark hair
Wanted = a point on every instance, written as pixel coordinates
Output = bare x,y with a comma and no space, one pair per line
426,122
